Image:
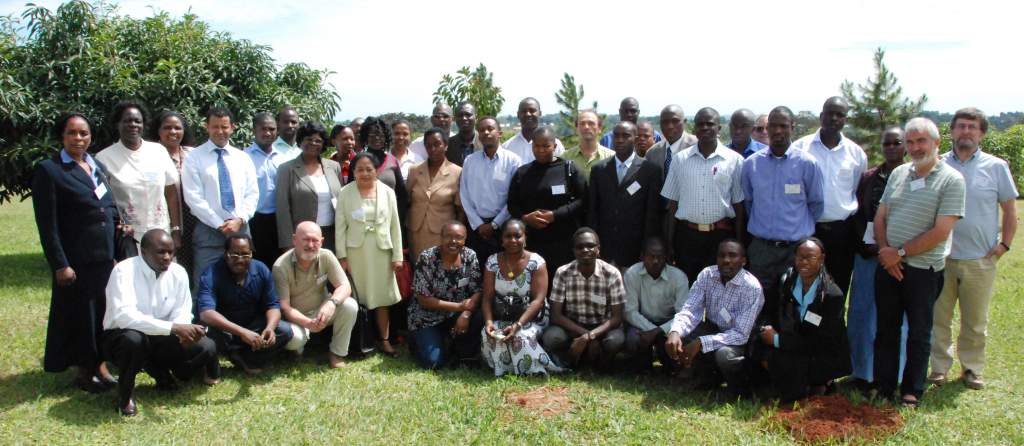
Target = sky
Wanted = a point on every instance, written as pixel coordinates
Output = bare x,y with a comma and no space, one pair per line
389,56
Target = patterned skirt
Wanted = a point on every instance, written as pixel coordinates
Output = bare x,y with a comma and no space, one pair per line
521,354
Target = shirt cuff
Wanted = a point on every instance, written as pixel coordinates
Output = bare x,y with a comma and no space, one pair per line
775,340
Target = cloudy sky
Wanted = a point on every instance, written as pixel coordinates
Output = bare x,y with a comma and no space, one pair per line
390,55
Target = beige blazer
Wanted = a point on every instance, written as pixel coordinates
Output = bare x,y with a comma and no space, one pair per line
433,202
296,195
350,225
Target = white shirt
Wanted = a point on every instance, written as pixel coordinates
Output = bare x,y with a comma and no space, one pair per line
841,168
406,162
483,186
524,149
137,180
417,147
139,299
683,142
705,189
200,184
324,205
624,165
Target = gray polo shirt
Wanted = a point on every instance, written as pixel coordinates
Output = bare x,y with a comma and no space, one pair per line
988,183
913,208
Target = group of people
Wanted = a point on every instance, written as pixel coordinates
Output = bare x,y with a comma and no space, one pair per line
724,262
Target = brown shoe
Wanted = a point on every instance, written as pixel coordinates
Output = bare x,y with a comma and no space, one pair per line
937,379
335,361
972,381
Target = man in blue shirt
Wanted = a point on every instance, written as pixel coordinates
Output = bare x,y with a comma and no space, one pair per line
266,158
238,301
741,127
784,195
629,110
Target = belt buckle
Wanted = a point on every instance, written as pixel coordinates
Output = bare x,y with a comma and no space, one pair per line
704,227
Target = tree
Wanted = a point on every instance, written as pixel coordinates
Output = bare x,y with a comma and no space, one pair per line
569,97
878,103
86,57
476,86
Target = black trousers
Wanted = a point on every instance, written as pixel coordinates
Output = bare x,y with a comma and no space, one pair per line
915,296
133,351
695,250
840,246
229,344
793,373
263,228
483,247
728,362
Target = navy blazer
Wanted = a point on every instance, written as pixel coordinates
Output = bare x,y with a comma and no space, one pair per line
75,227
623,219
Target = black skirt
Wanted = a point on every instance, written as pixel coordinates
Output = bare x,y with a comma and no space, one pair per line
76,319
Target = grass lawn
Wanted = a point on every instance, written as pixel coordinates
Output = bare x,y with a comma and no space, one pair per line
378,400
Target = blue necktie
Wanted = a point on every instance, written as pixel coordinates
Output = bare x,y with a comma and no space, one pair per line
227,196
620,170
668,159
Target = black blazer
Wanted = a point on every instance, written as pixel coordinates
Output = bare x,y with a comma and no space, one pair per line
622,220
75,227
828,339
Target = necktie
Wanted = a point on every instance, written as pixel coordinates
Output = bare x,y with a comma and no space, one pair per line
227,196
668,159
620,169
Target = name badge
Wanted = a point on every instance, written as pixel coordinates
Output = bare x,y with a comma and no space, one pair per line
358,214
463,282
633,188
558,189
917,184
100,191
814,319
793,188
725,315
599,299
869,233
499,175
334,203
320,280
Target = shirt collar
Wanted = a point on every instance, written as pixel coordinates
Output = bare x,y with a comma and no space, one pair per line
295,261
842,140
661,277
628,162
66,158
951,156
598,270
694,150
255,148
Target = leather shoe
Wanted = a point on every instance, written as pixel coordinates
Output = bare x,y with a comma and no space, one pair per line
972,381
91,384
937,378
129,409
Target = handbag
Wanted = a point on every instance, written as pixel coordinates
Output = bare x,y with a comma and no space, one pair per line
364,332
404,277
124,245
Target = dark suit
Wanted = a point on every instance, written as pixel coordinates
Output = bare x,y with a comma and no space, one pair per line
623,219
76,229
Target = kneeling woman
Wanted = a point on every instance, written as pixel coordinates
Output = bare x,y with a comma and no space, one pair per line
807,343
515,284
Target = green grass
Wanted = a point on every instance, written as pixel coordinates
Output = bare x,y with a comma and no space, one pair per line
390,401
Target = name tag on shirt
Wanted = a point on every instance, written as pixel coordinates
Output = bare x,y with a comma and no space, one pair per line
358,214
599,299
917,184
499,175
793,188
633,188
814,319
320,280
869,233
100,190
725,315
558,189
463,282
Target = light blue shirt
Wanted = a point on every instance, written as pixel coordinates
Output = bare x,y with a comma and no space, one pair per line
784,195
266,171
988,183
65,158
802,299
752,147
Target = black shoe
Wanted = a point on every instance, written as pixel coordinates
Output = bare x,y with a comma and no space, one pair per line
129,409
91,384
164,379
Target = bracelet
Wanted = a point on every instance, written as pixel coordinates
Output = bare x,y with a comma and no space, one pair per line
1005,245
175,228
336,303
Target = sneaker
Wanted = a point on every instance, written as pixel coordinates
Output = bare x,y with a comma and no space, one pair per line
972,381
937,379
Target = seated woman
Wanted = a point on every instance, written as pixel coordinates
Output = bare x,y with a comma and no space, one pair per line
447,289
807,345
515,284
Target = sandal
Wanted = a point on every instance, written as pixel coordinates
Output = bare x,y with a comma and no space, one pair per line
385,347
910,401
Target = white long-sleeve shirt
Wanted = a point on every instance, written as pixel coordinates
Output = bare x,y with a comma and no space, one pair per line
139,299
483,186
201,185
841,167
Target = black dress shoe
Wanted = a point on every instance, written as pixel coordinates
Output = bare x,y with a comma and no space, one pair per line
164,379
129,409
91,384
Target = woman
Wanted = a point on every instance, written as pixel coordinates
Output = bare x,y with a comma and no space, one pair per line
442,320
171,130
369,242
308,188
143,179
807,345
401,133
515,284
344,141
75,214
548,195
433,194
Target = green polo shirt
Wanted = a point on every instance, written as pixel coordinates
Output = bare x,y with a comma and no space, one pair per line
913,208
583,164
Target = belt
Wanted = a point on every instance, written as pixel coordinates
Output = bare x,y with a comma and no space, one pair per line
777,243
724,224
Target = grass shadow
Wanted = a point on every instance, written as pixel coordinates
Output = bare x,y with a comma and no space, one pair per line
24,270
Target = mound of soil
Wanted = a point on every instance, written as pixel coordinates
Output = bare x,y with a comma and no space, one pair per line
830,418
545,401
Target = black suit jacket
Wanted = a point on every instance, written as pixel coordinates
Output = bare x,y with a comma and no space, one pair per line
75,227
827,339
622,220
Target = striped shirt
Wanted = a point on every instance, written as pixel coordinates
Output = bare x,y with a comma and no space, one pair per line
705,188
588,300
732,306
913,208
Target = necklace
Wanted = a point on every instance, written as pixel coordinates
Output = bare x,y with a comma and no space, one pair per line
508,266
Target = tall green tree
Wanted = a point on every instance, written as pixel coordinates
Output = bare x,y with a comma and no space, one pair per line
476,86
86,57
878,103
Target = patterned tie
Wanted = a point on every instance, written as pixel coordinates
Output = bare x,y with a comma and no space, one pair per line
620,169
227,196
668,159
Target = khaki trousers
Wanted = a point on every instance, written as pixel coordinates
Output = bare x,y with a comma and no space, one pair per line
971,283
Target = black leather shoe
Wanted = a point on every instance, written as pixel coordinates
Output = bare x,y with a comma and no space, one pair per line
130,409
91,384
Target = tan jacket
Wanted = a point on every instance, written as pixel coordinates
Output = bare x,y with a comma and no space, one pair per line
296,196
433,202
350,225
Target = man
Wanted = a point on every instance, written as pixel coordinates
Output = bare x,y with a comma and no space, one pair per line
783,193
704,196
629,111
922,201
842,162
673,125
741,125
148,322
440,117
301,277
713,328
655,292
760,133
287,129
624,204
237,300
464,143
483,188
971,265
267,157
589,152
220,188
529,119
644,137
586,306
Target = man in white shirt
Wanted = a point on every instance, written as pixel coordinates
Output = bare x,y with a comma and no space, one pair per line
842,162
440,117
267,156
655,292
529,119
287,128
483,188
148,322
219,184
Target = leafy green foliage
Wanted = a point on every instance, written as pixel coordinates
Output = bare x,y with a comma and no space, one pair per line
877,104
569,97
86,57
476,86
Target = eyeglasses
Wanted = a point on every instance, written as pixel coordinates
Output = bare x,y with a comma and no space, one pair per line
234,256
892,143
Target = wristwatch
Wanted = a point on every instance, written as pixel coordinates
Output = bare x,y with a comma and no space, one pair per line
901,252
175,228
494,226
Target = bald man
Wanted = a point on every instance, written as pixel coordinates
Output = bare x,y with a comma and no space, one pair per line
741,126
673,125
440,117
629,111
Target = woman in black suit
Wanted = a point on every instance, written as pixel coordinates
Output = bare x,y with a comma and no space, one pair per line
75,214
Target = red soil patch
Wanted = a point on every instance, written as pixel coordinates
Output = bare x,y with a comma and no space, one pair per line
833,417
544,400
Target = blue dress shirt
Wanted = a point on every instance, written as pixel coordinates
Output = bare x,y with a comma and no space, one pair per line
784,195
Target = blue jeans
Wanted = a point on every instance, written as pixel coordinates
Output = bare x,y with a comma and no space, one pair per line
861,320
432,347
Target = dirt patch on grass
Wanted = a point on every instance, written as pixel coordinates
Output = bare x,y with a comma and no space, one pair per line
834,418
544,401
